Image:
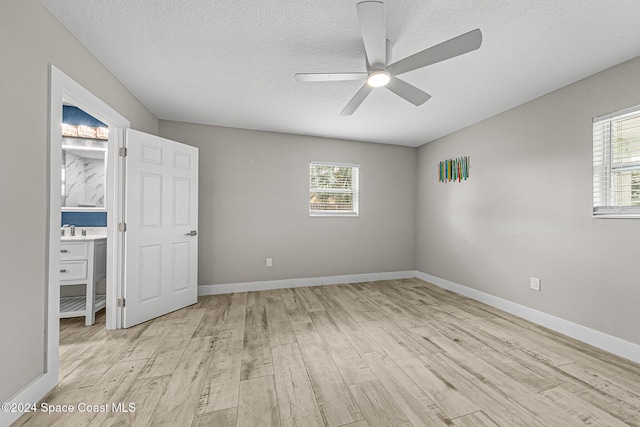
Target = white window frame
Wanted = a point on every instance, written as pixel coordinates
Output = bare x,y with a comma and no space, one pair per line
604,205
355,191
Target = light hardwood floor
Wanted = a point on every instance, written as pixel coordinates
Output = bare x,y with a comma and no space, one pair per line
389,353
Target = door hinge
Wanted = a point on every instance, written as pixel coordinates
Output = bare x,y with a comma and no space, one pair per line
122,226
122,151
121,302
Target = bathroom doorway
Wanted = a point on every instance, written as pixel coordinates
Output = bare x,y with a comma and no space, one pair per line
125,295
64,90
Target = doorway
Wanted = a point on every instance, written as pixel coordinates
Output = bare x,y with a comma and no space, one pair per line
65,90
169,190
161,203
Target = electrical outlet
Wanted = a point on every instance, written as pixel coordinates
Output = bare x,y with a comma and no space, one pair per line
269,262
535,284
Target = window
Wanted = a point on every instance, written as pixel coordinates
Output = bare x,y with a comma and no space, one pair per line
333,189
616,164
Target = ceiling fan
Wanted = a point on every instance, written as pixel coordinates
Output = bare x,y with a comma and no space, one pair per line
378,51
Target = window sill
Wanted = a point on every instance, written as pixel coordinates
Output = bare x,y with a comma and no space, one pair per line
334,214
616,216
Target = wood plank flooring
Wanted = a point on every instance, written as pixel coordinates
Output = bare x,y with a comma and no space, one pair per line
388,353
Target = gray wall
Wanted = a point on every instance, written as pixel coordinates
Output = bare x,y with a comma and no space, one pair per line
526,210
31,39
254,194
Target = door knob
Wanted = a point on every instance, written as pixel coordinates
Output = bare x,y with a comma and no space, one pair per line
192,233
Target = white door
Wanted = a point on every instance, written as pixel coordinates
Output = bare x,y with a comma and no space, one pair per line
161,216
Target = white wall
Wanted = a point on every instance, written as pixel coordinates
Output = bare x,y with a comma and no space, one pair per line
30,40
526,210
254,195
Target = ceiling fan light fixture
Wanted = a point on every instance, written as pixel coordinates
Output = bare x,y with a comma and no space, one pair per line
378,78
377,52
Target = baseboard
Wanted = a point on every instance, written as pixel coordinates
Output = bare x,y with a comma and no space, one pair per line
31,394
297,283
606,342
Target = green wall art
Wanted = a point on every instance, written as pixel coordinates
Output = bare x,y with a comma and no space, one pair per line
454,169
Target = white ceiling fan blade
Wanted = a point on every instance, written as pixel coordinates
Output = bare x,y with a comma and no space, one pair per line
406,91
456,46
329,77
356,100
374,32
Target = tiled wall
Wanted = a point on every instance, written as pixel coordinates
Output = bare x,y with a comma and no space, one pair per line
84,181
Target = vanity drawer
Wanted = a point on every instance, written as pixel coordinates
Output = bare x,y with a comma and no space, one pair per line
73,250
73,270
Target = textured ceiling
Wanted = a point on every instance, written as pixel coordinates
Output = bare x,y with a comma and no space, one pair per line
232,62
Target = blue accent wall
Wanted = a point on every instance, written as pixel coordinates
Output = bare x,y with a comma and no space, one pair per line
75,116
84,219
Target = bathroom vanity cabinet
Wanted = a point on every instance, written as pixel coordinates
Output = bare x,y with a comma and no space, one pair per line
83,261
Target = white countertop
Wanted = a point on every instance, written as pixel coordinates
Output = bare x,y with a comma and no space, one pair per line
82,238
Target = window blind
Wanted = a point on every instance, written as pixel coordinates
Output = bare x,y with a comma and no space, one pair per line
333,189
616,164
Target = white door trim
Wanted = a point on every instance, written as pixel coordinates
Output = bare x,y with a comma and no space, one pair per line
62,87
